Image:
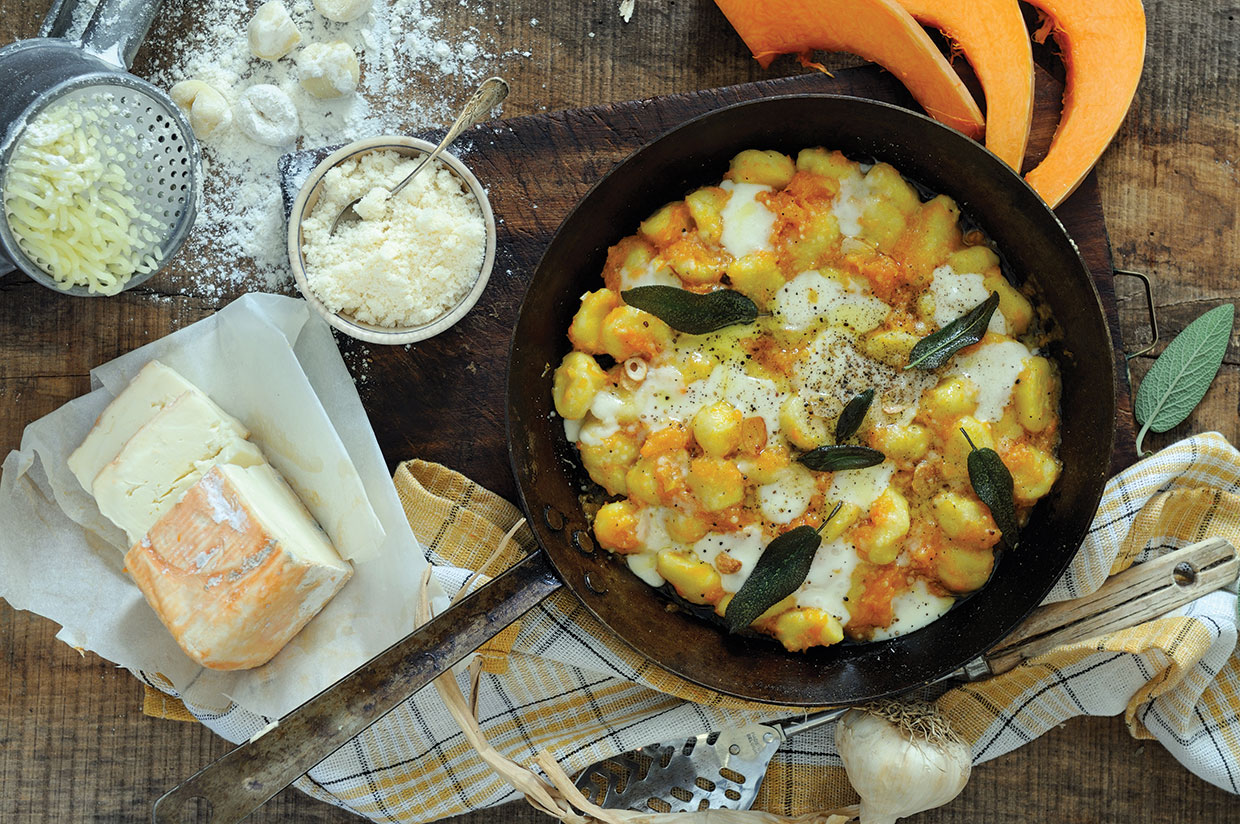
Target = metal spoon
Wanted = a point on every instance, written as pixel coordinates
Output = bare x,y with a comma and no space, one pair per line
489,95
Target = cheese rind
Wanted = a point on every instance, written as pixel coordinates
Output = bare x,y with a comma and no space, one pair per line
166,456
154,387
237,567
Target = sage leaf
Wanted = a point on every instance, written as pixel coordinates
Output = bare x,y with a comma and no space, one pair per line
992,482
835,458
690,312
1180,377
935,349
780,569
852,416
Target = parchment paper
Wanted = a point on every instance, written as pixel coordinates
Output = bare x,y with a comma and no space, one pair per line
272,363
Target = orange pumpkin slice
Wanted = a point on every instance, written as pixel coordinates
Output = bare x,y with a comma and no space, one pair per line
877,30
1103,47
992,35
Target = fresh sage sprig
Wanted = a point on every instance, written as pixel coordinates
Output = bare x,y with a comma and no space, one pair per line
1178,380
690,312
935,349
780,569
992,482
835,458
852,416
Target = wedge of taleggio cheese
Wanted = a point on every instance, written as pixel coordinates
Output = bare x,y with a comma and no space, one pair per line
153,388
165,457
237,567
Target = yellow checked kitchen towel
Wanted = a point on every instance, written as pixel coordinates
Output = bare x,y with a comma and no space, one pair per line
561,683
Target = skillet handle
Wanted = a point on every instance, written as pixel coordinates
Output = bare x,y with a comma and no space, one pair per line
1138,594
243,780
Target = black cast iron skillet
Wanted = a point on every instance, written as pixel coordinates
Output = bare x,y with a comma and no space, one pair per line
1034,246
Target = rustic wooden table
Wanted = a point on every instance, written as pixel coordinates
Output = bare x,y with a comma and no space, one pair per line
74,745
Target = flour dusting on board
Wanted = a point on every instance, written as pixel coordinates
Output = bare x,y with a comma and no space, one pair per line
413,74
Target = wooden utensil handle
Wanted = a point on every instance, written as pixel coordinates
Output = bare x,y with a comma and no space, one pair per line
1138,594
244,779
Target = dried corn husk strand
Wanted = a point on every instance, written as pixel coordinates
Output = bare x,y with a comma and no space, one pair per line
901,758
555,794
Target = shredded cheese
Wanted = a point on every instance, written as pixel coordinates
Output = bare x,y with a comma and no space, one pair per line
67,198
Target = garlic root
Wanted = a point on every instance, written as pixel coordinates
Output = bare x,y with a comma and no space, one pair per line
902,759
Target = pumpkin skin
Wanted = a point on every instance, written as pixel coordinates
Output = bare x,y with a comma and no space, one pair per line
1103,48
878,30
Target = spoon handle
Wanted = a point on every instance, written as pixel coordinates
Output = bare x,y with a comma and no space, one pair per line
489,95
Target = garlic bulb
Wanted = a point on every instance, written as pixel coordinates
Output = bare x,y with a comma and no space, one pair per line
901,758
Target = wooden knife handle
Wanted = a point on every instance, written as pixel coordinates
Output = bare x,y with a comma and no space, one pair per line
1138,594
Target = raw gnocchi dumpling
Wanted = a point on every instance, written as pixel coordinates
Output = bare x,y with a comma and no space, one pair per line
328,69
268,115
207,108
342,11
272,32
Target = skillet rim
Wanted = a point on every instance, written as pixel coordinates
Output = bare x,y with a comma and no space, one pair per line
552,527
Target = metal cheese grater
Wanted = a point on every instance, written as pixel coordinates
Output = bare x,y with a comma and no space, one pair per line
92,72
717,770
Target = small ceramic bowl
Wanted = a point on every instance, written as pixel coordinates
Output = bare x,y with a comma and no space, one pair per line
308,196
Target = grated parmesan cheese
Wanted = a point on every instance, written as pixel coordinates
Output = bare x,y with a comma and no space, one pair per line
410,259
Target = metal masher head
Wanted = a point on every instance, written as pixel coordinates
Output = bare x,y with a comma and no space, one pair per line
152,157
147,138
689,776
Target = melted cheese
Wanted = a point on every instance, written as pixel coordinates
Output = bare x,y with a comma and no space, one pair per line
861,487
812,298
649,275
993,368
664,396
830,576
747,223
744,545
913,609
849,204
955,294
652,529
642,564
787,497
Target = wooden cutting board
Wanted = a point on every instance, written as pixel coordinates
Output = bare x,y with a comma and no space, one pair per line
443,399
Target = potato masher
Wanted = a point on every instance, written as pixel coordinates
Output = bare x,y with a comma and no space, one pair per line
92,72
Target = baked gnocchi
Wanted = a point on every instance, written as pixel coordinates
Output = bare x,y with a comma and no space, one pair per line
695,436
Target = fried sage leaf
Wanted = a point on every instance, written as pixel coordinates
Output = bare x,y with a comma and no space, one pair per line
780,569
835,458
1180,377
852,416
935,349
993,484
690,312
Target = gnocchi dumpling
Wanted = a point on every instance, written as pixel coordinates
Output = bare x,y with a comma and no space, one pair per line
272,32
342,11
328,70
208,110
267,114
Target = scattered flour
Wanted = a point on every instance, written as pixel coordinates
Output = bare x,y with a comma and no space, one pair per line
410,68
